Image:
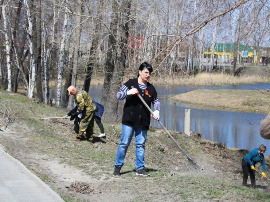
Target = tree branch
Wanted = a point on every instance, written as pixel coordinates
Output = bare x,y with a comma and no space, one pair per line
172,45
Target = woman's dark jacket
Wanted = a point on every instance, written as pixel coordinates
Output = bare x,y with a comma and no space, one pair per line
135,113
100,109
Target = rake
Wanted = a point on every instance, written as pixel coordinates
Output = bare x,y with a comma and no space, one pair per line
266,178
189,159
56,117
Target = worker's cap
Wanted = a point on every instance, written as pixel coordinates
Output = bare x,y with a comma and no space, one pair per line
262,147
71,90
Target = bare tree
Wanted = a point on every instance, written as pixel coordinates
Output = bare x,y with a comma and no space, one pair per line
1,67
49,48
38,44
8,45
19,59
45,56
61,59
18,46
14,42
161,32
77,37
116,60
111,54
93,50
165,53
237,42
213,58
32,68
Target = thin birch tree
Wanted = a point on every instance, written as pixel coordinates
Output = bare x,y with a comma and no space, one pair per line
7,44
32,68
1,67
45,56
77,38
61,59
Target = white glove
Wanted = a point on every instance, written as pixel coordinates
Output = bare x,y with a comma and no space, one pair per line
80,115
132,91
65,116
155,115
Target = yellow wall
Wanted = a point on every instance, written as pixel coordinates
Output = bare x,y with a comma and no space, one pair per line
230,54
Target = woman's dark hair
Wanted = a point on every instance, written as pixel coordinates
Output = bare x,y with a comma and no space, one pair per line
147,66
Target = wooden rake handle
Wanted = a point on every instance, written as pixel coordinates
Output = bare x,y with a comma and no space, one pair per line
182,150
56,117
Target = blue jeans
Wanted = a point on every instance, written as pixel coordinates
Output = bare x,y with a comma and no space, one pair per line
140,139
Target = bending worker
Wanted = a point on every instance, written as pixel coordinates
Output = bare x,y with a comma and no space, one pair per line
85,111
97,117
248,164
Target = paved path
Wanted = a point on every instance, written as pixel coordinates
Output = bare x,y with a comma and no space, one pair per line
18,184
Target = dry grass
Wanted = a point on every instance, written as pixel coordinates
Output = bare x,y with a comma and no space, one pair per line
208,79
202,79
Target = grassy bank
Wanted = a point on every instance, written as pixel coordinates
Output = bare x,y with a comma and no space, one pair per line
256,101
46,148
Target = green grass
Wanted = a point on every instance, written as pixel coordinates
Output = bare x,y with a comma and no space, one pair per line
53,140
212,189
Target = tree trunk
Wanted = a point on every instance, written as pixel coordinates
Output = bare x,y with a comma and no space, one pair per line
236,51
61,60
46,56
213,59
8,48
111,55
50,54
201,50
13,44
93,50
1,52
19,63
32,68
77,38
38,51
120,57
68,76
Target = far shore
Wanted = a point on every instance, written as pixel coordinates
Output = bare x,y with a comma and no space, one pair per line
201,79
253,101
249,75
208,79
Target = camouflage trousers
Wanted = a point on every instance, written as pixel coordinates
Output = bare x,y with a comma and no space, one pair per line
86,126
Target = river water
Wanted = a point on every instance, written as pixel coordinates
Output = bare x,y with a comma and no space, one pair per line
234,129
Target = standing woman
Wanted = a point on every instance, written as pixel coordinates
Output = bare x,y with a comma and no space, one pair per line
136,117
248,164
